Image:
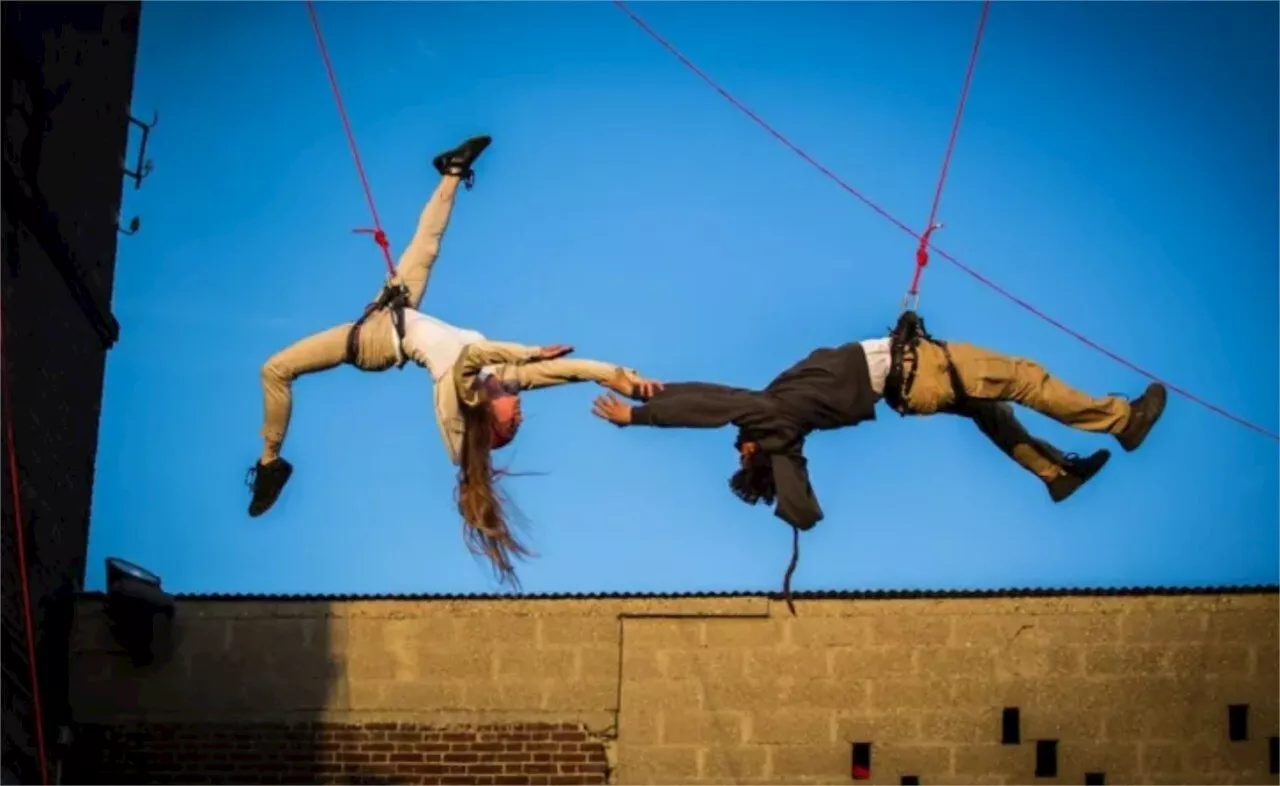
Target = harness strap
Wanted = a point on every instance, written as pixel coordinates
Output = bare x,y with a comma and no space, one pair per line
905,338
394,297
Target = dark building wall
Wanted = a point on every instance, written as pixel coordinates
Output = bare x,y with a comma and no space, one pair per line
68,73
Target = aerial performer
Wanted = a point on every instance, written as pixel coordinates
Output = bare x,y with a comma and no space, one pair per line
476,381
837,387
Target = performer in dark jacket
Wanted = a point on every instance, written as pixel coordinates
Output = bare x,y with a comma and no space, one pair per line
837,387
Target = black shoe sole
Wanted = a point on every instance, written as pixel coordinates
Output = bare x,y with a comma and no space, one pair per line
1072,483
447,164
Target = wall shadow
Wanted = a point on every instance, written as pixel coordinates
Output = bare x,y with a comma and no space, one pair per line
240,697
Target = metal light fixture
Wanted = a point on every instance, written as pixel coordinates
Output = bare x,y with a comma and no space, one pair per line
139,611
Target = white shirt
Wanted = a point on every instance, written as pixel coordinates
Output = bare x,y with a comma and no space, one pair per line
878,362
434,343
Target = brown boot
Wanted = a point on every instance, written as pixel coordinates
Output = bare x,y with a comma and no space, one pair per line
1144,411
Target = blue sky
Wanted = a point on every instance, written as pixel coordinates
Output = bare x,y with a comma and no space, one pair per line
1117,168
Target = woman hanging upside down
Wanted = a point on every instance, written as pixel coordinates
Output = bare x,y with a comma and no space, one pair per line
476,381
839,387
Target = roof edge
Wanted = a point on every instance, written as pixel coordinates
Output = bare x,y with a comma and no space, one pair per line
898,594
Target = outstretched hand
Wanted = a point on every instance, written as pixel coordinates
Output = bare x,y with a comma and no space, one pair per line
610,408
632,385
552,352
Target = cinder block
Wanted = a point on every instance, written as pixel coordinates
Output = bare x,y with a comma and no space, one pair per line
828,632
834,694
642,663
911,631
574,696
791,727
872,662
470,663
644,633
984,760
910,694
558,631
1014,692
972,662
662,694
417,697
707,665
640,727
1194,661
712,728
763,632
657,764
506,694
597,663
1131,659
500,628
735,764
1062,723
1259,628
535,664
961,726
1072,628
1165,627
810,763
800,664
896,726
929,761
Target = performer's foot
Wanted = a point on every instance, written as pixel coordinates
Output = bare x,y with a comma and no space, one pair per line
1144,411
458,161
1079,471
267,481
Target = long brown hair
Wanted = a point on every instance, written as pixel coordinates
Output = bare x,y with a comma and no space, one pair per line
481,503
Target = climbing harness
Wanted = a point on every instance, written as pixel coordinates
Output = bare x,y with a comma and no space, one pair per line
395,299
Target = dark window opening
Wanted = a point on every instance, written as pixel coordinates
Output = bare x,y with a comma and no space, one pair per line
1095,779
1238,722
910,780
1046,758
861,761
1010,727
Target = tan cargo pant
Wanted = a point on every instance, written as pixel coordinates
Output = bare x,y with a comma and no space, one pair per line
991,377
377,350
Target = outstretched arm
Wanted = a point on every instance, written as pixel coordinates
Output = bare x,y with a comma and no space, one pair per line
685,405
564,371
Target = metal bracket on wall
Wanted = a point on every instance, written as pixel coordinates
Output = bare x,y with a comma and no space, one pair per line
135,224
144,166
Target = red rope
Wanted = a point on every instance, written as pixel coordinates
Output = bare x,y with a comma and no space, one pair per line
21,542
922,252
902,226
379,236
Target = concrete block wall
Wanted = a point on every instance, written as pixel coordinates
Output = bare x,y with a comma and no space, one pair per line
734,690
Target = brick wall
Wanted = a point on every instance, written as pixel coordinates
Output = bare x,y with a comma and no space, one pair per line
68,73
341,753
734,690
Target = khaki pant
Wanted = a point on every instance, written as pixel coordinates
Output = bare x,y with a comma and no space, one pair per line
990,379
377,348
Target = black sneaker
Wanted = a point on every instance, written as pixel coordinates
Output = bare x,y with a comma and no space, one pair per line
458,161
1144,411
1079,471
267,481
